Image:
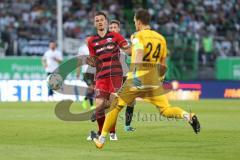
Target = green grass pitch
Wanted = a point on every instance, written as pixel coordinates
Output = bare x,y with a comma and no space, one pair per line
31,131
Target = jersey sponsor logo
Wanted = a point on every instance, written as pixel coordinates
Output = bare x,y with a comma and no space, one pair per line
110,46
107,47
100,49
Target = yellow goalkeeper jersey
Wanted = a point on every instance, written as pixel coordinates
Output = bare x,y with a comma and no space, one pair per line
155,48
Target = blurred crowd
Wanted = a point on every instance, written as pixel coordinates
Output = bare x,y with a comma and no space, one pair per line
37,18
214,23
22,20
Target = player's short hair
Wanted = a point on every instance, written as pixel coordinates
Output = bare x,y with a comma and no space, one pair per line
101,13
115,21
52,41
143,16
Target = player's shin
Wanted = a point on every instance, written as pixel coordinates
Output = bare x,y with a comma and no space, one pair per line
110,120
177,112
174,112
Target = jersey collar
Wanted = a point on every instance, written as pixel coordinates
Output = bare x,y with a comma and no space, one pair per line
104,35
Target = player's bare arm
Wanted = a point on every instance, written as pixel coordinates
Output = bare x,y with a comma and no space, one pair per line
127,49
91,60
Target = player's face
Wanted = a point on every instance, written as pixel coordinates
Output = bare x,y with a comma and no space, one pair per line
100,22
114,28
136,22
52,45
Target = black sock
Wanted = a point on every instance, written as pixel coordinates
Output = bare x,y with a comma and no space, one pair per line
90,101
128,115
90,98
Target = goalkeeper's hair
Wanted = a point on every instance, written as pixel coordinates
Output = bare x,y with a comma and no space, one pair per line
143,16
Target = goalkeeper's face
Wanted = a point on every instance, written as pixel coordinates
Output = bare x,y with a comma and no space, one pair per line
100,22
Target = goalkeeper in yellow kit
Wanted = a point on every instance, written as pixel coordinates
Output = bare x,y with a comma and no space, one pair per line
149,51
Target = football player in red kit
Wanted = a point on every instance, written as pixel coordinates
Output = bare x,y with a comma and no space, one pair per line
105,48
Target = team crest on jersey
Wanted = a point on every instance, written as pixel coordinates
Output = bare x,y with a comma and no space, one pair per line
109,39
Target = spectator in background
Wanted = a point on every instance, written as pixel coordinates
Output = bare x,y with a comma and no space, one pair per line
3,48
226,47
207,43
51,60
218,17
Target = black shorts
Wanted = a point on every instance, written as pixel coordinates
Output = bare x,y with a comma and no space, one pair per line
88,78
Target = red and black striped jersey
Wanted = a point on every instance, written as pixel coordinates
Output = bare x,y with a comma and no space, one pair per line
107,52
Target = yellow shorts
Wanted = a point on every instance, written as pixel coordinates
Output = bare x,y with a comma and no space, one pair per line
155,96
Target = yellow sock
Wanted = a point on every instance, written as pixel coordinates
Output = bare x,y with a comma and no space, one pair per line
174,112
110,120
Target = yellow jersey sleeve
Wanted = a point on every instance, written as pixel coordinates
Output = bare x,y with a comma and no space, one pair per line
137,43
